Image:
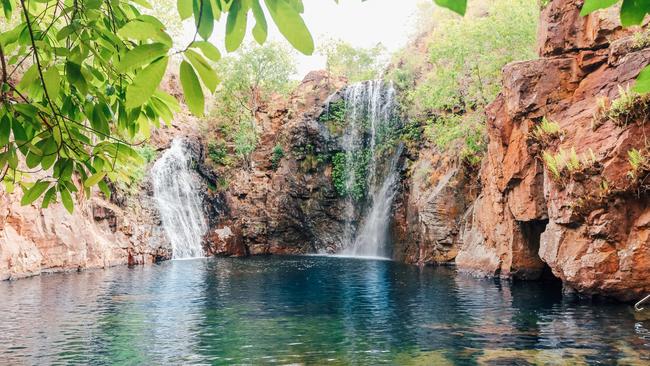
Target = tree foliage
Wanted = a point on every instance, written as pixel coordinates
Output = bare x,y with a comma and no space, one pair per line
356,64
250,78
79,83
447,84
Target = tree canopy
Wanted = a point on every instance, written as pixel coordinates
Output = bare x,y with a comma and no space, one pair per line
80,82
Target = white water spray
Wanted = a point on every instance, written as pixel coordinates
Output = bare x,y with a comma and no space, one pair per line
370,118
176,190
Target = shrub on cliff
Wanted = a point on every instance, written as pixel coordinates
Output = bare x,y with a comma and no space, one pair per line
458,71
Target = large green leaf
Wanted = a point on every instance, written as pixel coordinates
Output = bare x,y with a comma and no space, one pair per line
52,81
643,81
66,199
142,31
203,18
260,30
75,77
633,12
5,130
208,50
458,6
192,89
34,192
291,25
141,55
145,83
236,25
184,8
592,5
94,179
207,74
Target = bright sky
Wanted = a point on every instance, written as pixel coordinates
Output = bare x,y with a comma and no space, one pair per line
362,24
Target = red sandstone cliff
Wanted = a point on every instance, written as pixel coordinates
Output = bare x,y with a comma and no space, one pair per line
590,226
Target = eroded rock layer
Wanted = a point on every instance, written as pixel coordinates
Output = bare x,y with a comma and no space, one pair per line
590,224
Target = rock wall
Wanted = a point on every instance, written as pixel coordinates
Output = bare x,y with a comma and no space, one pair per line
98,234
589,226
290,208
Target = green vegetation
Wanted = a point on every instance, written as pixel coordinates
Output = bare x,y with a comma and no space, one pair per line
276,155
80,82
251,78
547,129
356,64
637,161
448,86
628,107
218,152
567,162
335,112
351,182
132,175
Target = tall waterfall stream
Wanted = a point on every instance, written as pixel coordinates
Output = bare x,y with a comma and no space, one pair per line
176,190
371,159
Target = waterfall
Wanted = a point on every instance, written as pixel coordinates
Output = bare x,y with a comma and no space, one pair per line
371,166
176,190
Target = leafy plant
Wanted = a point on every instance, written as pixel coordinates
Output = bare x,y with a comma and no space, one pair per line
349,174
79,82
637,161
218,152
567,161
356,64
276,155
547,129
628,107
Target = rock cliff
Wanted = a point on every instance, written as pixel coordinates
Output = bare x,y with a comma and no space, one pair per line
588,221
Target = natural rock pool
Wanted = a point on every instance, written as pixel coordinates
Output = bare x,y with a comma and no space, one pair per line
306,310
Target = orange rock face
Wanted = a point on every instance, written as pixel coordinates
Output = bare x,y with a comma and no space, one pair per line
99,234
590,226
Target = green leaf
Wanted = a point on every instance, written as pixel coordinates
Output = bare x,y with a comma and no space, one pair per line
49,197
32,160
52,81
75,77
145,83
208,50
142,3
291,25
5,130
184,8
141,55
192,89
633,12
236,25
94,179
207,74
104,188
642,84
66,198
592,5
206,24
34,192
142,31
7,6
458,6
260,30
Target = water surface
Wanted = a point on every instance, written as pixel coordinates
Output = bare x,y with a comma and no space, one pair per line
306,310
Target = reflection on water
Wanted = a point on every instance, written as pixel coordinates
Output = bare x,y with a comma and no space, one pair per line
306,310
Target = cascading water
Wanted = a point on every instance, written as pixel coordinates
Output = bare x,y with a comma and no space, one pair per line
176,190
371,166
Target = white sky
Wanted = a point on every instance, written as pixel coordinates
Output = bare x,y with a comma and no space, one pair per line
362,24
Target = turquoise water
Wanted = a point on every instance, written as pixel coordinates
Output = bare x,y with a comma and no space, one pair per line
306,310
